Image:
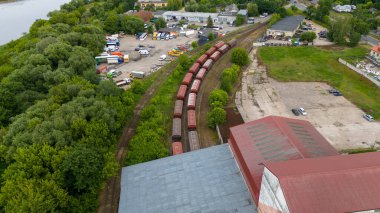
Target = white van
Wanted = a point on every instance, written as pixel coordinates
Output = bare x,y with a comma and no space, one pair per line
162,58
144,52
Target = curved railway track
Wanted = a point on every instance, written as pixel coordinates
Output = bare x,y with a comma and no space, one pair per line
109,196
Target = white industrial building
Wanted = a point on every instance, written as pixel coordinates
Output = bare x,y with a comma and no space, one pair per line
190,16
344,8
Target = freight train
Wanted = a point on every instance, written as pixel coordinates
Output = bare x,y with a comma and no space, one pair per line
192,82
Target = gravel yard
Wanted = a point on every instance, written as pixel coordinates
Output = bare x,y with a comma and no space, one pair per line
338,120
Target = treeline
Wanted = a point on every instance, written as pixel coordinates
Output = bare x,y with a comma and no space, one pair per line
218,98
59,122
151,139
347,30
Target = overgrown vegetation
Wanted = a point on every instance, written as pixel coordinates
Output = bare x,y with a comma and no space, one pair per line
316,64
345,28
218,98
59,122
256,7
239,56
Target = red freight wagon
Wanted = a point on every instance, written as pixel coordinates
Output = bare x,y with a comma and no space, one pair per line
194,69
177,148
176,131
224,48
193,140
215,56
195,86
232,43
191,101
219,44
210,51
191,119
178,108
187,79
207,65
202,59
182,92
201,74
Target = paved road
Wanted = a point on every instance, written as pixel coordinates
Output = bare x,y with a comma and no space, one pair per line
371,40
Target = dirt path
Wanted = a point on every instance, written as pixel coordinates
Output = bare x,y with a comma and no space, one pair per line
208,137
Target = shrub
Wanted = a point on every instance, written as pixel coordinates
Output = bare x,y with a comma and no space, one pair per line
218,95
216,116
239,56
194,44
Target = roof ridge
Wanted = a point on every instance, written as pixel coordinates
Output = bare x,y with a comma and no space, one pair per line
287,136
324,172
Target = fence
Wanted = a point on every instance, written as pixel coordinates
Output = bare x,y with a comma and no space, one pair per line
219,135
359,71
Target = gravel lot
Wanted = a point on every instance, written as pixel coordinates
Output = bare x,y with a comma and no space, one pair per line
337,119
129,43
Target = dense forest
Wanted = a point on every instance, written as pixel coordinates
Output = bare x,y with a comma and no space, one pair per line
59,122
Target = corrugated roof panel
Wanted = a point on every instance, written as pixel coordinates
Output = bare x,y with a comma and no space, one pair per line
343,183
273,139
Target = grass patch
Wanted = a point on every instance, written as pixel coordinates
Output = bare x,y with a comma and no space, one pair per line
321,64
359,150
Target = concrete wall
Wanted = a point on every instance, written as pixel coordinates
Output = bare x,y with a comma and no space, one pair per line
271,196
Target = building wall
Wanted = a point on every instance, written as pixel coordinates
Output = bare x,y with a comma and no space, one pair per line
226,19
375,54
284,33
271,196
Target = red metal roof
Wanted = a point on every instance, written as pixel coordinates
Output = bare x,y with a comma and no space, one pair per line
273,139
376,48
346,183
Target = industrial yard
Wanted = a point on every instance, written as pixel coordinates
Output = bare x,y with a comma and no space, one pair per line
337,119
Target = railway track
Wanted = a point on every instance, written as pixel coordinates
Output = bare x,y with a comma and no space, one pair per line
109,196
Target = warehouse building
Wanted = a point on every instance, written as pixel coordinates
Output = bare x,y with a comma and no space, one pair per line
273,164
348,183
190,16
286,27
273,139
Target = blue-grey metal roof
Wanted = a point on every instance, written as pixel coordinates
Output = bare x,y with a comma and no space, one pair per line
206,180
289,23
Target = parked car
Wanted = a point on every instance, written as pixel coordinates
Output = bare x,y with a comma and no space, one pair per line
302,111
128,80
151,46
144,52
368,117
296,112
337,93
162,57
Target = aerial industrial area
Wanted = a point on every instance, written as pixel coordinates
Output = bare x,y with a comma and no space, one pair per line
171,106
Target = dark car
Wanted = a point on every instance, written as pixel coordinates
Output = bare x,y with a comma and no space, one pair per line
337,93
296,112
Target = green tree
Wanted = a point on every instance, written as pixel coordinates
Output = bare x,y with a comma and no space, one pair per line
194,44
150,29
174,4
211,36
160,23
240,20
216,116
132,24
253,10
360,26
210,23
323,9
239,56
82,169
218,95
308,36
112,23
354,39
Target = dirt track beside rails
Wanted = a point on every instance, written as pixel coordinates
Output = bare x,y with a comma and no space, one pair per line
208,137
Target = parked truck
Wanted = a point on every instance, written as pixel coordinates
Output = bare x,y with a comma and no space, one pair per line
137,74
